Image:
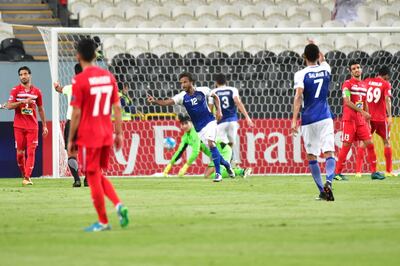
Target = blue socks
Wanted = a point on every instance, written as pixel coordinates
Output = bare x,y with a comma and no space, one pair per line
330,165
216,157
316,174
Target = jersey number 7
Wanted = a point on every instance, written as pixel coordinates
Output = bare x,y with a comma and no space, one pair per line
320,82
98,92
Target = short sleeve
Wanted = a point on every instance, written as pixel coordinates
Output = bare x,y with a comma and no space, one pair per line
235,92
76,98
345,86
207,92
299,80
211,99
39,100
178,99
13,96
326,66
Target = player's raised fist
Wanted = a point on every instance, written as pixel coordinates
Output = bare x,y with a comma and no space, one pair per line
294,129
57,86
150,99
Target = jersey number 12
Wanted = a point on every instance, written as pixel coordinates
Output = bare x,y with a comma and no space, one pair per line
98,92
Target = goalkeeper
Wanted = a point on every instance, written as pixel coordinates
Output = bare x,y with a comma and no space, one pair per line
190,138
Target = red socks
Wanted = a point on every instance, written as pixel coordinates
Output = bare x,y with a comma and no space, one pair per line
371,157
388,158
21,162
342,158
100,186
359,159
30,161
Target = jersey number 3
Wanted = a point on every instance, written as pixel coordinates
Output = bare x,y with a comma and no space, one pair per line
98,92
319,82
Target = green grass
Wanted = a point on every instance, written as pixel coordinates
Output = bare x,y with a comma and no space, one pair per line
256,221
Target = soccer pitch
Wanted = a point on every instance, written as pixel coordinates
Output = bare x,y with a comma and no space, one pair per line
256,221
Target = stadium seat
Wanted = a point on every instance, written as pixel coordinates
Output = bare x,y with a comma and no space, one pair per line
320,14
287,24
159,14
274,12
356,23
125,25
6,31
147,24
205,13
241,24
333,24
375,4
102,24
182,13
195,3
160,45
265,24
388,14
183,45
329,4
346,44
230,44
113,15
172,24
102,4
136,14
195,24
368,44
217,4
378,23
325,43
229,13
89,16
309,4
136,46
297,43
252,13
297,14
241,3
253,44
125,4
391,43
75,6
366,14
206,44
217,24
148,3
172,3
310,23
277,44
113,46
284,4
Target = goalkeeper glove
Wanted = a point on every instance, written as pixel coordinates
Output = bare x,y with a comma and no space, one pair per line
183,170
167,169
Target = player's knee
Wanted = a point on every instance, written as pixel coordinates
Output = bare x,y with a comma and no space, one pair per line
20,151
311,157
211,144
328,154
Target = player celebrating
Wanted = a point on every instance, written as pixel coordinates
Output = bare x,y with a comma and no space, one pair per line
312,87
94,93
355,116
195,101
72,162
24,98
230,102
379,105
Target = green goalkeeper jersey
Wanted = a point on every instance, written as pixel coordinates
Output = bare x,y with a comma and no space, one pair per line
190,139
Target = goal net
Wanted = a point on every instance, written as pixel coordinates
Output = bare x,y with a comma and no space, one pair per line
259,62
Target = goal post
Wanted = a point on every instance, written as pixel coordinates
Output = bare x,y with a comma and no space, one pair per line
261,62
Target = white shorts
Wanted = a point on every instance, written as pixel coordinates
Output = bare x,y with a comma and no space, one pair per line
209,132
319,136
227,131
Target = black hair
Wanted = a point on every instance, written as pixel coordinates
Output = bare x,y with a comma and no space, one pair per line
353,62
184,118
87,49
220,79
24,68
187,75
384,70
311,52
78,69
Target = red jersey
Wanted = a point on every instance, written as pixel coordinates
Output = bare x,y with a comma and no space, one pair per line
94,91
378,89
25,114
358,92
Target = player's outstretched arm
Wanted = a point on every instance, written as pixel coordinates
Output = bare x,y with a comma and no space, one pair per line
42,115
243,110
14,105
298,99
167,102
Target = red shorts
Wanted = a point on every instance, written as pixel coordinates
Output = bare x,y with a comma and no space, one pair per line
93,159
381,128
353,132
25,138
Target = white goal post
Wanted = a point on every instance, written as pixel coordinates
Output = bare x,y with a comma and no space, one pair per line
54,36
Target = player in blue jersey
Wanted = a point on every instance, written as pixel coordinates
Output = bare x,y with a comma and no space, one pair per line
195,100
312,88
230,102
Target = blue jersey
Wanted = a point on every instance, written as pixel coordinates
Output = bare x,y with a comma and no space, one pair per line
226,95
315,82
197,106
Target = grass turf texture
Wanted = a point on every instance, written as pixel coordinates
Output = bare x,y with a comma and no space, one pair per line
256,221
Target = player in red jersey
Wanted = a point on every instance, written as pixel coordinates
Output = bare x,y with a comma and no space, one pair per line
94,94
24,98
380,107
355,117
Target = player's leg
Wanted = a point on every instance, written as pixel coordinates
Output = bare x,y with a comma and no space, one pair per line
313,150
359,158
91,164
109,189
32,142
348,135
72,161
383,131
233,128
20,145
327,140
